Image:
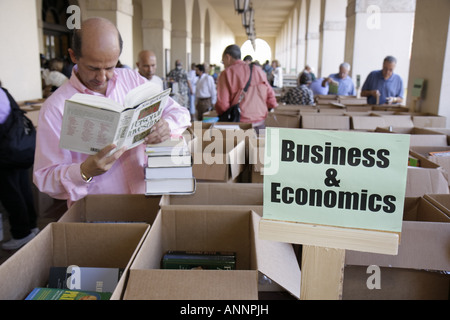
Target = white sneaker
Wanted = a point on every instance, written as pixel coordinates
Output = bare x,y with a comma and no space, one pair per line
14,244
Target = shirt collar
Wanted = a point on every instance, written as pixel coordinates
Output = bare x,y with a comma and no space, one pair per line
80,87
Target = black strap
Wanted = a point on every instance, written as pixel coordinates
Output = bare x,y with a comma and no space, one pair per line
250,79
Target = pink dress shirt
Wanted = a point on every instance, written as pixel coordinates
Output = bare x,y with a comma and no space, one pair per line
230,84
57,171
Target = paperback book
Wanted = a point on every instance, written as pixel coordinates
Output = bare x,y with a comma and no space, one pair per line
64,294
90,122
84,278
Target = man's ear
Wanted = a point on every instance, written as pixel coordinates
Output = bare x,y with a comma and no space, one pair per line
72,56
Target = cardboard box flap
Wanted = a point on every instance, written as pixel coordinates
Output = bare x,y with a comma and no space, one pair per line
218,159
425,240
179,285
104,236
18,273
442,161
404,121
277,261
418,136
113,208
236,159
256,154
428,178
219,193
441,201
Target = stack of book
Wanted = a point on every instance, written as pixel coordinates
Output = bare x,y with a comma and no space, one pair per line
169,168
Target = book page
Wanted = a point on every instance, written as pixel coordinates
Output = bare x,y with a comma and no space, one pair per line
140,94
97,102
144,117
87,129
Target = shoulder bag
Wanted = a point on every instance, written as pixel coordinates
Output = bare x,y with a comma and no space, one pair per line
233,114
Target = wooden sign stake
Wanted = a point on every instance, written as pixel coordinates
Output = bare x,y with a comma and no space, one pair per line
323,252
322,273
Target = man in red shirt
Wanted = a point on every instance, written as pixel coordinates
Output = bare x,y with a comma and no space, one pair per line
231,83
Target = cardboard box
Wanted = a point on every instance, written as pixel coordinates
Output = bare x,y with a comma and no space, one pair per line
390,107
332,108
113,208
352,100
210,229
223,130
358,108
325,121
419,136
218,194
366,121
444,131
296,109
283,120
424,245
428,178
65,244
441,161
375,120
395,284
218,159
428,120
256,160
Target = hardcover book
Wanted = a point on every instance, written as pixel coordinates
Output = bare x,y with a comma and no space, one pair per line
215,260
90,122
170,186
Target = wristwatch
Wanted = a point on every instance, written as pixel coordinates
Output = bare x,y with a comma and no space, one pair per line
85,179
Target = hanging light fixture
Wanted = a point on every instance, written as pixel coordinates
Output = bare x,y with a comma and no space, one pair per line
247,17
241,5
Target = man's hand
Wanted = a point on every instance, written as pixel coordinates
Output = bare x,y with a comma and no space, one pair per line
101,162
160,132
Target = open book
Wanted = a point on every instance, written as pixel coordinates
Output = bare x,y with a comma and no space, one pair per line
90,122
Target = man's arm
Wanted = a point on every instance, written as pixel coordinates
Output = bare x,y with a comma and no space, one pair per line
223,94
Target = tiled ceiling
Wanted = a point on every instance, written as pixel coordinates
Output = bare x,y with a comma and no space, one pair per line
270,15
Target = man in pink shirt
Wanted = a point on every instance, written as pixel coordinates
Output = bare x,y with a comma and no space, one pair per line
232,81
64,174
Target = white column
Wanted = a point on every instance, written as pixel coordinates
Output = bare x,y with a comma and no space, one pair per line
313,34
119,12
19,57
375,30
430,57
332,36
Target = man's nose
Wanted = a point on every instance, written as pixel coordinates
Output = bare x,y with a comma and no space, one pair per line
101,75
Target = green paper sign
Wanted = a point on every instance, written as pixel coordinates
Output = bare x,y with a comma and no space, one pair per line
336,178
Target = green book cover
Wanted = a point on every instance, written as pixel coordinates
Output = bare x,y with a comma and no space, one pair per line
63,294
199,260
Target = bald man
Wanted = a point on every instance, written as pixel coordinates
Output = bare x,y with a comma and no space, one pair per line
68,175
146,66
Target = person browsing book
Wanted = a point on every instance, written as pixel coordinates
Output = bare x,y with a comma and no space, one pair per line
341,81
384,86
69,175
232,81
